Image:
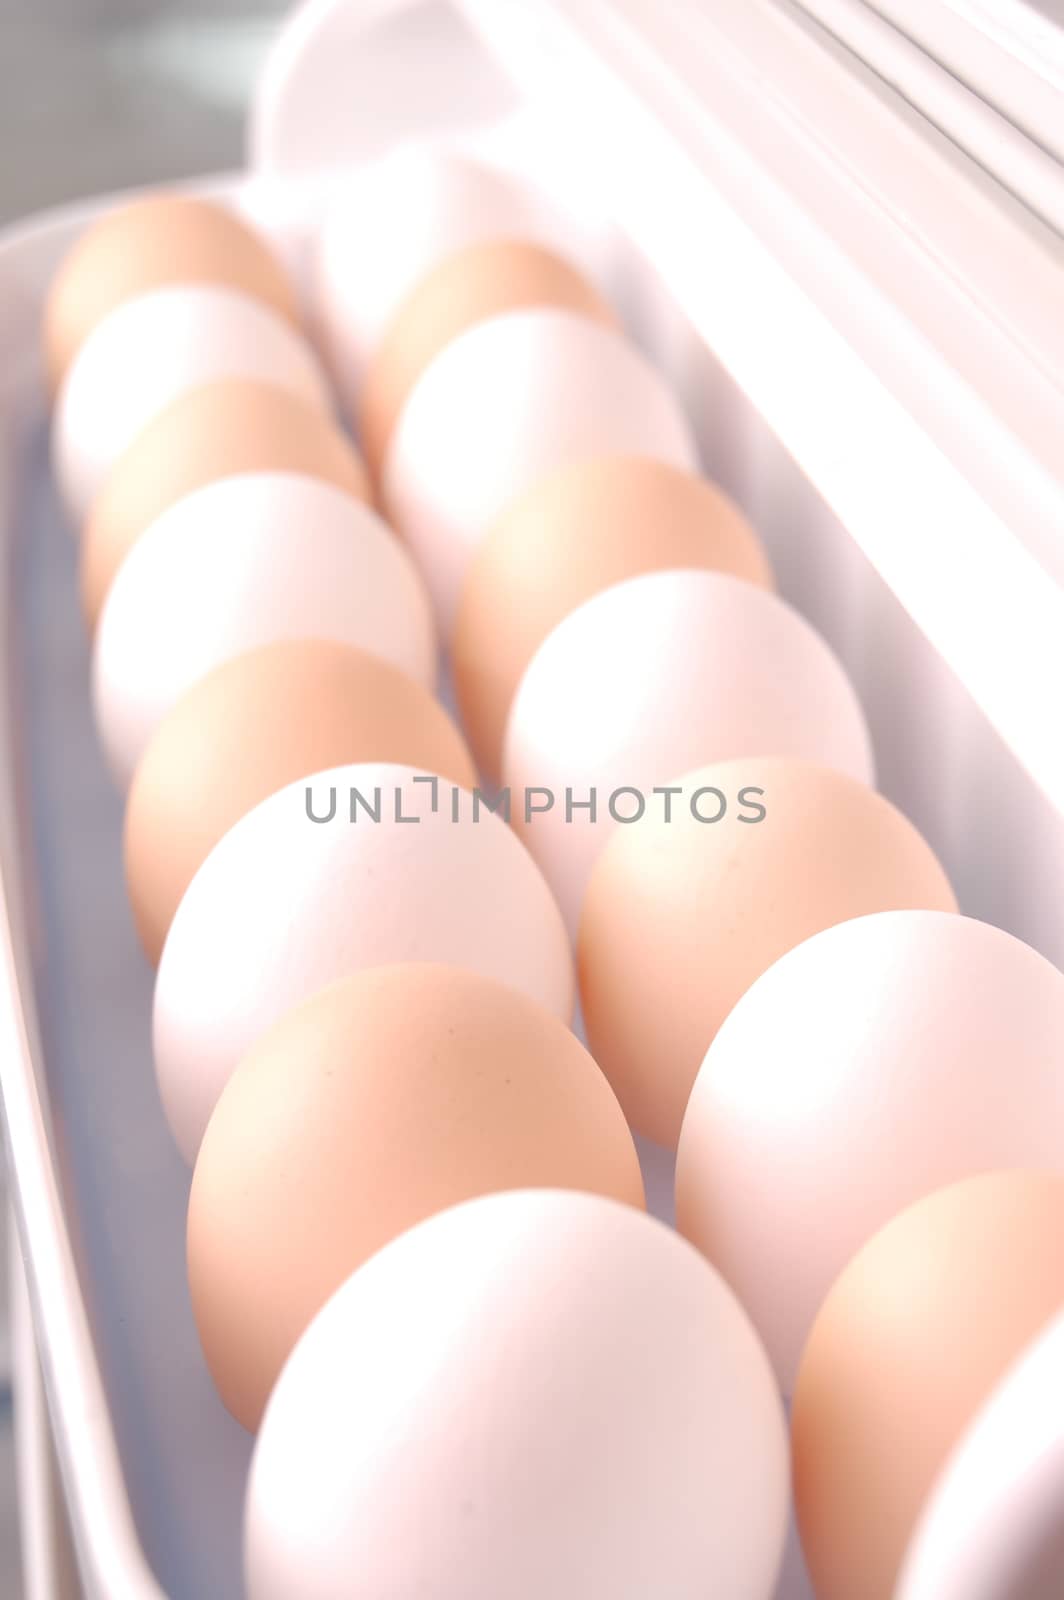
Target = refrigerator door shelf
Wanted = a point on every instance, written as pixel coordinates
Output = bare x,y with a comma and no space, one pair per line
1008,53
861,324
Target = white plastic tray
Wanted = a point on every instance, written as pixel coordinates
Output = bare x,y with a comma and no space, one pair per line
153,1467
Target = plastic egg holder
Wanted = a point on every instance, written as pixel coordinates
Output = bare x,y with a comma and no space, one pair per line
176,1509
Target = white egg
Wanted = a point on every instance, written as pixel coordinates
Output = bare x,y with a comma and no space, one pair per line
882,1059
991,1528
388,226
650,679
285,905
243,562
148,351
534,1394
503,404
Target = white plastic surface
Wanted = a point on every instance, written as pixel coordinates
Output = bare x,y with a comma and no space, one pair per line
1009,52
46,1557
974,60
894,477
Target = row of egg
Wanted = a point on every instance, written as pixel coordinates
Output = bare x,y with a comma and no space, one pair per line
593,591
196,554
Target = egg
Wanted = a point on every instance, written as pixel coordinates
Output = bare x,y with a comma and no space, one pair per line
681,916
991,1527
365,865
387,226
214,431
649,679
481,281
252,725
912,1339
506,402
876,1061
156,240
553,1390
377,1103
573,533
240,563
147,352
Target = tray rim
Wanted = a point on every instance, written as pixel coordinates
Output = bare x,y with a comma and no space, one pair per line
111,1560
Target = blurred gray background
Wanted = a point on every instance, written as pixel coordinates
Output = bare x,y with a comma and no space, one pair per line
98,95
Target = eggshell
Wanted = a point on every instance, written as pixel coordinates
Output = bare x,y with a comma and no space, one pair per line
509,400
240,563
156,240
572,534
682,915
375,1104
650,679
553,1391
991,1527
476,283
911,1340
146,353
252,725
876,1061
284,905
391,224
214,431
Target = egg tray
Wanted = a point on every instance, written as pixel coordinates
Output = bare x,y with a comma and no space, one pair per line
153,1466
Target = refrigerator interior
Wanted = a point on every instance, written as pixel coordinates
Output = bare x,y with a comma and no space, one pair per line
155,1473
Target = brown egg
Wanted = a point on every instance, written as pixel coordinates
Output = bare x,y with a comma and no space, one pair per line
681,916
471,285
578,531
911,1340
215,431
160,239
252,725
379,1102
